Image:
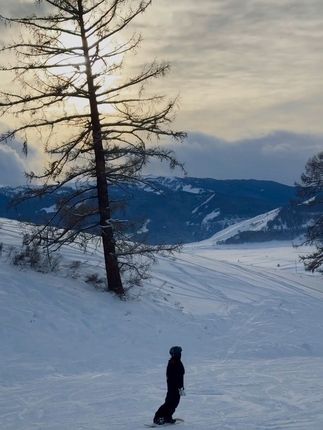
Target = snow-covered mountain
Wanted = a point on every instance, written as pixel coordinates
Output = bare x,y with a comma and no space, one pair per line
289,222
256,224
168,210
249,320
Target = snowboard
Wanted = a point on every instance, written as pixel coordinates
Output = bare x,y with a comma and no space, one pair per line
152,426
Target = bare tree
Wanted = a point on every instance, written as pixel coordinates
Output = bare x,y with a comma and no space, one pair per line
93,118
311,188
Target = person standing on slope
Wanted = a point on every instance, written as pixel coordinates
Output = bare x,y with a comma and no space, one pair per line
175,387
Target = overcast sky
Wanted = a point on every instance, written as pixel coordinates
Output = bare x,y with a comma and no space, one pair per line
249,76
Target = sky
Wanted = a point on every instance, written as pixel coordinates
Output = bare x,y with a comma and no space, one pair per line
249,79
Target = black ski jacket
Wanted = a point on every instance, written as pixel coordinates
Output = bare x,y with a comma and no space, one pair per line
175,374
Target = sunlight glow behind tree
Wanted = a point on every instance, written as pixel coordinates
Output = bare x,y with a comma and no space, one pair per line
93,119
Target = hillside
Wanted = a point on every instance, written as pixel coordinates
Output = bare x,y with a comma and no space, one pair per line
248,318
202,206
286,223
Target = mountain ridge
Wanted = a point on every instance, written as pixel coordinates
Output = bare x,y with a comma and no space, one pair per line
184,210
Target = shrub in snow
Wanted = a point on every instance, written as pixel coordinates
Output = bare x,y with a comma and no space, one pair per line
96,281
32,255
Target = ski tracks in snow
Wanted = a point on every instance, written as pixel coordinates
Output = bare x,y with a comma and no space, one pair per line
76,359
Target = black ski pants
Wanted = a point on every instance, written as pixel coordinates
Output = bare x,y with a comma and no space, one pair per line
168,408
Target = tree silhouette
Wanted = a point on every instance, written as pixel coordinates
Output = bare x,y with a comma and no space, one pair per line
93,118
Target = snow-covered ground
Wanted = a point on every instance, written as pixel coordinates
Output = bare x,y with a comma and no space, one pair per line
249,319
256,223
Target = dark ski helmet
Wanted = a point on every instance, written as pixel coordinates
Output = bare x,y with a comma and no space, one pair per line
175,351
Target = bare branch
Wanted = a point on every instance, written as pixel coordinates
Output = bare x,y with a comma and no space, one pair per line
104,148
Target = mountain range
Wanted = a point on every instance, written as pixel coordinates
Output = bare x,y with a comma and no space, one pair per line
172,209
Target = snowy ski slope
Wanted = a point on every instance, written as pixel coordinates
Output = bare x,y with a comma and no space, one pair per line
249,319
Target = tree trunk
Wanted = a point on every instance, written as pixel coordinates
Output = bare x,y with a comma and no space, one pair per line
111,262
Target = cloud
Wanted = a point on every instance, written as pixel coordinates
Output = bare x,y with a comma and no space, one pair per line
237,64
12,167
14,163
19,8
241,67
279,156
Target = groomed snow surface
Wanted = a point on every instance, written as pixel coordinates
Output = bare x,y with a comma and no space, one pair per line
249,319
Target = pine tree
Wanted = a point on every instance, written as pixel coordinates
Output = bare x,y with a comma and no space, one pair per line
311,188
93,118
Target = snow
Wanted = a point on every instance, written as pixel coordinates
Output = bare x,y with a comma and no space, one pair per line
211,216
203,204
148,189
308,202
75,358
144,228
50,209
256,223
193,190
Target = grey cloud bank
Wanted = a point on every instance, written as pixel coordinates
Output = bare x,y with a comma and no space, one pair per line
12,167
14,163
280,156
